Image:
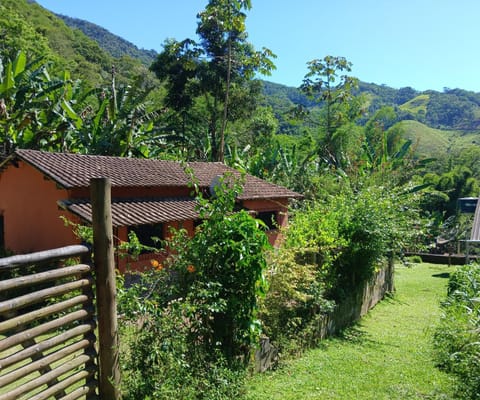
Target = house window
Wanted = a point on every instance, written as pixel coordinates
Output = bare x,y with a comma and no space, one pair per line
148,235
269,218
197,223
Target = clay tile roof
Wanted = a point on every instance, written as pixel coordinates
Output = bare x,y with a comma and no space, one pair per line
128,212
75,170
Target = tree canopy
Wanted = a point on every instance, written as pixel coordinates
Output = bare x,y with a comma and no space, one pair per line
206,77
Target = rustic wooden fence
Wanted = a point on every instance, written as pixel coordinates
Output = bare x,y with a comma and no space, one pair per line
48,318
47,349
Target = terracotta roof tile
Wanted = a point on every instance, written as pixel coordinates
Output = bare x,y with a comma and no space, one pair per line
75,170
129,212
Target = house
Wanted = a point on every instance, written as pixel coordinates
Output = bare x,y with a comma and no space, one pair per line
37,188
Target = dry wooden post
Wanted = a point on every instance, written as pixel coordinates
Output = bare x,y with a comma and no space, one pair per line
109,379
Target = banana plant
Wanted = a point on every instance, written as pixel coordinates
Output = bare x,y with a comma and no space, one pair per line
122,124
36,111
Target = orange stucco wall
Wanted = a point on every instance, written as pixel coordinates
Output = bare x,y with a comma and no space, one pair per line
28,203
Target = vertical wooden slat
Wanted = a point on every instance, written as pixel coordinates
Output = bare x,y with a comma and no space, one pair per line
109,379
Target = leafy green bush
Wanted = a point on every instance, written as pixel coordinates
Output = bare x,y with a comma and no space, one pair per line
163,356
416,259
294,303
367,225
331,248
191,322
354,232
457,337
299,276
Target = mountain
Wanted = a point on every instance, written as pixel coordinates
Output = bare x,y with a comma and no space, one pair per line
27,26
436,122
116,46
455,109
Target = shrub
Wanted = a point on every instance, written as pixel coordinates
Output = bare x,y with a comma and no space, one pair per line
192,321
163,357
294,303
416,259
369,224
353,232
331,248
457,337
299,276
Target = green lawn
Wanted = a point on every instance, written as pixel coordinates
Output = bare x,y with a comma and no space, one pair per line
388,355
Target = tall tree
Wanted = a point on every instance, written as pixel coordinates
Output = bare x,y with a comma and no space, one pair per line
215,76
326,84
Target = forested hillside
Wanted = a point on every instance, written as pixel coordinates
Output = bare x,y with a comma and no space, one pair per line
113,44
455,109
29,27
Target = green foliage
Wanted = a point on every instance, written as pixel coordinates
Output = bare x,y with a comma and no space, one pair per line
456,338
36,111
18,34
162,356
28,27
295,304
325,84
445,190
355,232
449,110
192,320
114,45
213,79
121,121
414,259
228,250
82,232
332,247
371,225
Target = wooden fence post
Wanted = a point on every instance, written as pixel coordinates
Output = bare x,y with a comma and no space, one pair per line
109,379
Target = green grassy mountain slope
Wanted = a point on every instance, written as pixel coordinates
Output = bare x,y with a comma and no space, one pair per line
431,142
417,106
428,142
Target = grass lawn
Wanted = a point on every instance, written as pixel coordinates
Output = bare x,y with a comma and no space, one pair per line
387,355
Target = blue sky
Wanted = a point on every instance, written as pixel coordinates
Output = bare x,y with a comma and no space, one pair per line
426,44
